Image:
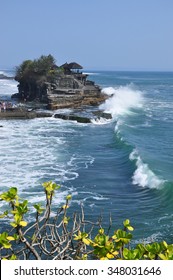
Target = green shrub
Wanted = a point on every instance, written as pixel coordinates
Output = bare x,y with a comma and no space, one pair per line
31,69
65,237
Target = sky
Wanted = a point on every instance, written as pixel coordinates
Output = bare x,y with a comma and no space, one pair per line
134,35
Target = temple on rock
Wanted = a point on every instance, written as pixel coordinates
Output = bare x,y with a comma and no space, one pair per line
72,89
62,86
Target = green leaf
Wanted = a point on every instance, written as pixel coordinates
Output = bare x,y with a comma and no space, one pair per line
23,223
110,256
163,257
10,238
68,197
130,228
4,214
13,257
65,206
126,223
6,245
101,231
86,241
10,195
16,237
13,224
39,208
66,220
165,244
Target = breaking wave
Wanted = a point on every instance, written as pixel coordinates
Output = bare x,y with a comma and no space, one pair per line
122,100
122,104
143,176
100,121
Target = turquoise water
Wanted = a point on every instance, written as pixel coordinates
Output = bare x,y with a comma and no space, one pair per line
122,166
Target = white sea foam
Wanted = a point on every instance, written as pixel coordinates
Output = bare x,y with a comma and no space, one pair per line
63,111
6,72
146,124
100,121
100,198
80,161
118,124
7,88
90,73
36,152
93,196
149,239
143,176
121,100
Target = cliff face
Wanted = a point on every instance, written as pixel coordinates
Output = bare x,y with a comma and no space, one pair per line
70,92
59,87
62,92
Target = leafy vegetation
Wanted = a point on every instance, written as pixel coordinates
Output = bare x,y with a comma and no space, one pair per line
60,236
33,76
30,69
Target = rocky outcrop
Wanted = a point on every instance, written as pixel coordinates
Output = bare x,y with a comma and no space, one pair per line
59,87
22,113
101,114
74,99
65,92
83,119
73,118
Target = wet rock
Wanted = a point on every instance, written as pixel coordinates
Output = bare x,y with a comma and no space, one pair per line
101,114
22,113
73,118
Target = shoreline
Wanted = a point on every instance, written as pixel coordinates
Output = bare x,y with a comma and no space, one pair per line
22,113
25,114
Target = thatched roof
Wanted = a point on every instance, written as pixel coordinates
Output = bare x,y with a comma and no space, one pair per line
72,65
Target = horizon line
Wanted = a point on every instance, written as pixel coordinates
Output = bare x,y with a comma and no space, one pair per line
3,68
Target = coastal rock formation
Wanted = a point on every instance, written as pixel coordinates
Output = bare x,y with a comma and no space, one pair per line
84,119
23,113
73,118
101,114
59,87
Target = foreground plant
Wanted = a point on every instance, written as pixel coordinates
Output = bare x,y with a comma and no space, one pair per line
62,237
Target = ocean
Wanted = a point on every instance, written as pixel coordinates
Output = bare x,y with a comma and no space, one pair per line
121,166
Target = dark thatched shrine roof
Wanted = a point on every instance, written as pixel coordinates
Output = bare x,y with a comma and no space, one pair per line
72,65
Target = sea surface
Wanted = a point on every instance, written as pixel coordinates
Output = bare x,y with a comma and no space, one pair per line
122,166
